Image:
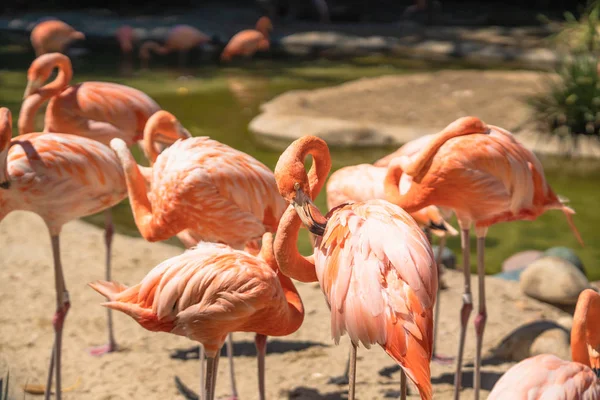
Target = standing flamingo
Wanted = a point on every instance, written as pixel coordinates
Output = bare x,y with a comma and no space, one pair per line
249,41
180,38
485,176
372,261
60,177
364,182
548,377
53,36
207,293
215,193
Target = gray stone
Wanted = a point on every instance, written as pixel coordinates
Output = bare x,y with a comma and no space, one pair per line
520,260
553,341
566,322
566,254
518,344
448,256
512,275
553,280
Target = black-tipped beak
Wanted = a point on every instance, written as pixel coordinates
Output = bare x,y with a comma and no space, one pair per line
437,227
309,214
5,185
597,372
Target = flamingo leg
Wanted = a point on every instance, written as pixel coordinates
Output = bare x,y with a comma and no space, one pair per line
50,372
62,308
261,351
402,384
212,364
202,373
109,232
481,317
352,384
438,260
466,309
234,392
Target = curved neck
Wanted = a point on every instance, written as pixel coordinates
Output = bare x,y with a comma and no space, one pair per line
391,183
63,79
319,170
27,113
587,313
148,143
291,263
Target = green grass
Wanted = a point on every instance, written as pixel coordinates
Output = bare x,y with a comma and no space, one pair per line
211,108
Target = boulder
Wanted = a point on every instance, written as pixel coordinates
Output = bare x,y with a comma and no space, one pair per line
448,256
552,341
518,344
566,322
566,254
521,259
553,280
512,275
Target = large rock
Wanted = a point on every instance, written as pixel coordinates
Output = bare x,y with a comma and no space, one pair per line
553,280
512,275
553,341
519,344
566,254
521,259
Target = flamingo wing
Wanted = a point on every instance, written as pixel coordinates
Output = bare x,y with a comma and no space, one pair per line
355,183
547,377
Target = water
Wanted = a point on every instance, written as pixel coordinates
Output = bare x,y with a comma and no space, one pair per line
220,102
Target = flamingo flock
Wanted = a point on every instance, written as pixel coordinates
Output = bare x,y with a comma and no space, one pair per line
240,221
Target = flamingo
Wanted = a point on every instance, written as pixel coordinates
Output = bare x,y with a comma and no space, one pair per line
60,177
125,36
546,376
485,176
206,189
373,263
180,38
249,41
364,182
53,36
208,292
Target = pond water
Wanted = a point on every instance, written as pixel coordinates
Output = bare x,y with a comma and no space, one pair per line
220,102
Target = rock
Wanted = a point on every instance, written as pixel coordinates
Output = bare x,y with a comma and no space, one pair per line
553,341
521,259
448,256
518,344
553,280
512,275
566,322
566,254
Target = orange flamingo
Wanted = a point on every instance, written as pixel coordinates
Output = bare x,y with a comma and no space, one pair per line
548,377
210,291
372,261
125,37
180,38
60,177
206,189
485,176
53,36
249,41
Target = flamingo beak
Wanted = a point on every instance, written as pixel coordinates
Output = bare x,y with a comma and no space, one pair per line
32,87
309,214
437,227
184,133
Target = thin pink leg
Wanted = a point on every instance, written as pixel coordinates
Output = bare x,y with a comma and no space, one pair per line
481,317
261,351
234,392
352,383
212,365
109,232
402,384
465,311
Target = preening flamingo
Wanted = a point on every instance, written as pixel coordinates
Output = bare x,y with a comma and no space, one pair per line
180,38
548,377
60,177
373,263
53,36
485,176
216,193
363,182
249,41
208,292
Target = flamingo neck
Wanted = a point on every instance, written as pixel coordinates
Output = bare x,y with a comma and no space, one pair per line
150,134
149,46
391,184
585,344
5,142
291,263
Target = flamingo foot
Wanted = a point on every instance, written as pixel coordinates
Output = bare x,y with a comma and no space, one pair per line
104,349
442,360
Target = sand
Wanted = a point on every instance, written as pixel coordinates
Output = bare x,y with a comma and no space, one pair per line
298,366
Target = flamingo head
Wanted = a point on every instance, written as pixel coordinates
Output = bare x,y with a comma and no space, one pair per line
264,26
125,36
295,187
40,70
5,136
162,130
76,35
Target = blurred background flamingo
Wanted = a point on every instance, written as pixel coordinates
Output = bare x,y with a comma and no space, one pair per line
52,35
247,42
181,38
374,265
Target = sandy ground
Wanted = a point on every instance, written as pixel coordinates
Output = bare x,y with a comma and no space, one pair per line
298,366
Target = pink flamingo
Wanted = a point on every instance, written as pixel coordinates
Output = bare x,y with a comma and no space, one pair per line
548,377
249,41
186,294
206,189
372,261
60,177
180,38
485,176
53,36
